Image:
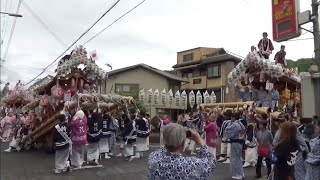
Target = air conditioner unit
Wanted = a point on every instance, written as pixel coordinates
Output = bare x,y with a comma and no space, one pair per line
307,96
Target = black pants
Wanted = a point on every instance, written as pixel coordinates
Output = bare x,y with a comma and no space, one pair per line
259,163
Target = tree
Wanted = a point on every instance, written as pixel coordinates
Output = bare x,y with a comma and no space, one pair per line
302,64
133,107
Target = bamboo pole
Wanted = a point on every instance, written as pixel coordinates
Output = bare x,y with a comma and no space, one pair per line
226,105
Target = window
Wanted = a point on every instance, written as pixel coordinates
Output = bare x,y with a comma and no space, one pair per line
187,75
127,88
197,81
217,92
187,57
214,71
203,72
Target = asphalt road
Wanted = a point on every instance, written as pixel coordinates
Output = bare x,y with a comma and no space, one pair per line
38,165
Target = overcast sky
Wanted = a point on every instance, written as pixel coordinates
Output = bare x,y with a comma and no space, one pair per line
152,34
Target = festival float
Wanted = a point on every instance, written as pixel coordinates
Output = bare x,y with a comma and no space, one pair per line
255,71
77,85
17,97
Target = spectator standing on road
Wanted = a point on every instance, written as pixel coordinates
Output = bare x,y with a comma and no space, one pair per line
265,139
313,158
164,121
169,163
211,134
235,132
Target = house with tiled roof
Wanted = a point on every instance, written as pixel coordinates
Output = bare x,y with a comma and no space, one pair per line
132,79
207,69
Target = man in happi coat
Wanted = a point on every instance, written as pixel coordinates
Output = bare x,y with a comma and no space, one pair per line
63,143
79,130
105,135
234,132
93,137
275,98
5,90
129,136
21,133
142,143
225,145
261,96
280,57
246,95
113,126
265,46
251,155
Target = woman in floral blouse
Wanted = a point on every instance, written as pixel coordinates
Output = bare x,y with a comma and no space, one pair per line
169,163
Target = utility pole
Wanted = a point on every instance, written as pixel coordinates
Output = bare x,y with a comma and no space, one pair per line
0,55
316,34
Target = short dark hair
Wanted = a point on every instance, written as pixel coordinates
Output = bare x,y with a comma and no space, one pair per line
62,117
282,46
265,33
264,123
236,115
264,116
142,113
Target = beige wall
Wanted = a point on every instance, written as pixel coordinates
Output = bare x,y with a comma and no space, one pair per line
145,78
198,53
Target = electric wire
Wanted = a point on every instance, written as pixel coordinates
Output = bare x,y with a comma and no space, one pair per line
12,30
136,6
4,16
4,29
45,26
48,66
93,37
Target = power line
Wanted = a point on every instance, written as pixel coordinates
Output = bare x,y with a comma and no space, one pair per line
4,16
12,30
75,41
4,30
302,39
114,22
43,24
109,25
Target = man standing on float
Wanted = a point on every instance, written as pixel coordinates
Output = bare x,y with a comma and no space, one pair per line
265,46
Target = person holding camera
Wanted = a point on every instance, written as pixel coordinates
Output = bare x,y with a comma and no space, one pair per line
169,162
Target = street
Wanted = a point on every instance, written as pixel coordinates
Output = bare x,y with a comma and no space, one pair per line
38,165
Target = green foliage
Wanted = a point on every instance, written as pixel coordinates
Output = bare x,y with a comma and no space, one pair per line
303,64
133,108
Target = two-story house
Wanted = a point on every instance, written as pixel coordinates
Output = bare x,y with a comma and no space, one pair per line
207,69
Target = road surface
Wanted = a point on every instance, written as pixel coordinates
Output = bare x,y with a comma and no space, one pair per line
38,165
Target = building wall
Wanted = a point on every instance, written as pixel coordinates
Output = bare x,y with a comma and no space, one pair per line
198,53
209,83
146,79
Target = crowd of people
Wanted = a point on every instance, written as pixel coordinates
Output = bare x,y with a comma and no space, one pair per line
245,137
